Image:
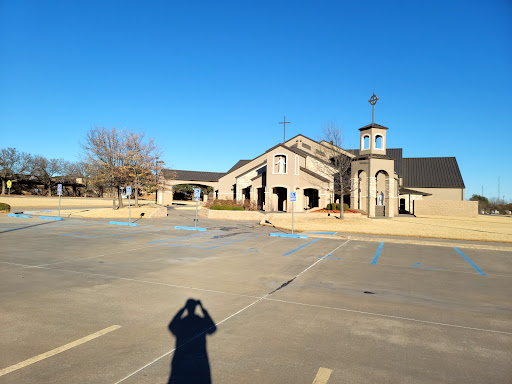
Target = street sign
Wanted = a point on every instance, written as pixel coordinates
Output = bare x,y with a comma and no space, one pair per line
59,189
293,196
128,190
197,194
9,183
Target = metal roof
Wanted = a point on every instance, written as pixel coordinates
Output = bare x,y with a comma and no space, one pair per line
432,172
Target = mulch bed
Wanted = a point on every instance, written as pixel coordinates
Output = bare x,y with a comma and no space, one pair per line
335,211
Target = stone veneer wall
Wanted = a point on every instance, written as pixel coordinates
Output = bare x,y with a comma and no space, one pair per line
445,208
319,168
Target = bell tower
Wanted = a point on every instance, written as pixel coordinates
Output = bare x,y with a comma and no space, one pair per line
372,136
374,184
373,140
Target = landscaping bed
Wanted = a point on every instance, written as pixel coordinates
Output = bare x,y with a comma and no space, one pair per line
336,211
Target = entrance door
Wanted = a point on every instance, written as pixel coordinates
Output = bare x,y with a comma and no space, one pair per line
402,205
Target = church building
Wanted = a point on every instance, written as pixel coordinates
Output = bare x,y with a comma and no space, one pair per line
376,179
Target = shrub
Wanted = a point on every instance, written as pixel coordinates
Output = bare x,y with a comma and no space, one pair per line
220,207
225,205
336,206
5,207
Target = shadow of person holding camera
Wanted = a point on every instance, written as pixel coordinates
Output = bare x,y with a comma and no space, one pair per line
190,362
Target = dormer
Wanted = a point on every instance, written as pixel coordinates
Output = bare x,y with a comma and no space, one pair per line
373,140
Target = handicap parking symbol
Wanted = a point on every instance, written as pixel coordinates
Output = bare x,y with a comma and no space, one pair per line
419,266
329,257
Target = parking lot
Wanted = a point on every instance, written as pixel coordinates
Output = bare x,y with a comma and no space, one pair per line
90,302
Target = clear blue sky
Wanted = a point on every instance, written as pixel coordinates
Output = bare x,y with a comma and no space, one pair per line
209,80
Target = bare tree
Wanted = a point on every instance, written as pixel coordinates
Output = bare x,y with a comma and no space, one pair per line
340,161
118,157
103,151
141,159
12,164
46,169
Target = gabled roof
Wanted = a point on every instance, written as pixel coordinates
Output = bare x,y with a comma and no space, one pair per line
175,174
393,153
431,172
372,126
240,163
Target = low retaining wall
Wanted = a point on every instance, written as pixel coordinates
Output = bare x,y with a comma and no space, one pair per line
445,208
312,215
160,212
231,215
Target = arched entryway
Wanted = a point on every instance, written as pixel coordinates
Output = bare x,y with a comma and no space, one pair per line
311,198
362,191
279,200
381,193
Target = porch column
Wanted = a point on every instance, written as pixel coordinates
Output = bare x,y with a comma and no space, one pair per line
354,192
389,198
372,195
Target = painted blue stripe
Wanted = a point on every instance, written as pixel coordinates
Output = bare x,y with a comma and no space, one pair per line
50,218
288,235
123,223
302,246
322,233
18,215
470,262
190,228
377,254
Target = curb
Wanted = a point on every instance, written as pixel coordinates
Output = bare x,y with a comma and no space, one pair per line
19,215
123,223
288,235
50,218
190,228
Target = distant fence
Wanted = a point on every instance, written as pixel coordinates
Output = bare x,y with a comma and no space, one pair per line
445,208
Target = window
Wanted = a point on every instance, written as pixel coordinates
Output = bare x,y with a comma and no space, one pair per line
366,142
297,165
306,146
378,142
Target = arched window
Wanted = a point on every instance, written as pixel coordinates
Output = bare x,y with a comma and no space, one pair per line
366,142
378,142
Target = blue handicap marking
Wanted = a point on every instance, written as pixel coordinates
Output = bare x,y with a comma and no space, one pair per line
329,257
419,266
250,250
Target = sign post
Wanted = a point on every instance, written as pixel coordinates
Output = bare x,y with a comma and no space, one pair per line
293,198
129,192
9,185
197,197
59,192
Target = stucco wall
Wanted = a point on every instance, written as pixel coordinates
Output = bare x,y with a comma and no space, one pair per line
456,194
445,208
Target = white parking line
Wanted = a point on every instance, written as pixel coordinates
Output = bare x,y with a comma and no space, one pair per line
58,350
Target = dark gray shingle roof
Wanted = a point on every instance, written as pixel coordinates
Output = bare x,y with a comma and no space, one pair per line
373,126
175,174
432,172
240,163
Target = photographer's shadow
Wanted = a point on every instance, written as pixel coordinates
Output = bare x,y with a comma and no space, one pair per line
190,362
